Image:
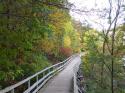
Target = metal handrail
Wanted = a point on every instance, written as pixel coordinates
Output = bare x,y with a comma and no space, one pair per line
77,88
76,68
39,82
76,85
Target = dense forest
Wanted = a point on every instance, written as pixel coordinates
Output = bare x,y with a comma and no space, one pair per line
97,66
35,34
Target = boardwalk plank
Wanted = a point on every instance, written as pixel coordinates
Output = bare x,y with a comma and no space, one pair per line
63,82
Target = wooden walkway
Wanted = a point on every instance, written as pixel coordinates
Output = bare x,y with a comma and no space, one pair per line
63,82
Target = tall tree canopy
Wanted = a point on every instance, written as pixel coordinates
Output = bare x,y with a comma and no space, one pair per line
33,33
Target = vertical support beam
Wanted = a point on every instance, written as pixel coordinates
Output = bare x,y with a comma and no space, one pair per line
37,79
12,91
48,70
43,74
29,84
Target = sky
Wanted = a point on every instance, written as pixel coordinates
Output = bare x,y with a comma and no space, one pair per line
92,18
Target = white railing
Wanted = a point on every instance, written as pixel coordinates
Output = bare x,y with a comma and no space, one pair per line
77,87
40,78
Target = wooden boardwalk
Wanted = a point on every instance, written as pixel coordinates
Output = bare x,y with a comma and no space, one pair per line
63,82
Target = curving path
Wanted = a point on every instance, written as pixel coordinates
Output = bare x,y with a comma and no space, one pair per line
62,82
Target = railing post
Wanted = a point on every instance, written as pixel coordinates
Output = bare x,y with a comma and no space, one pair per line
37,78
48,70
43,74
29,84
59,65
12,91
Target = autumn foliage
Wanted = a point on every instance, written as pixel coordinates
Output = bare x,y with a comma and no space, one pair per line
66,51
33,35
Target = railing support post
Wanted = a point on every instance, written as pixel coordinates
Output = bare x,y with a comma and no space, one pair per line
29,84
37,79
12,91
43,74
48,70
